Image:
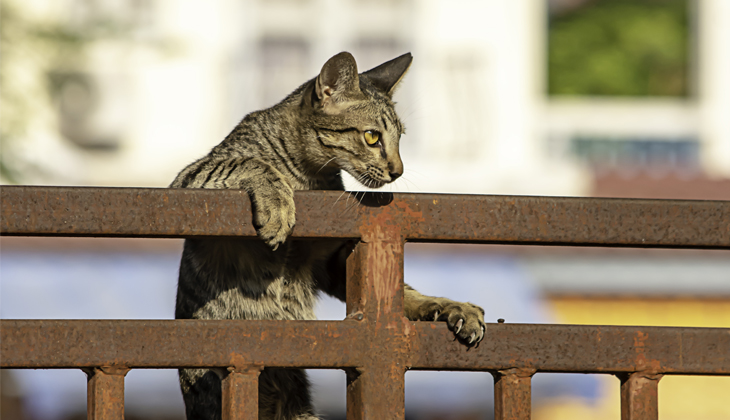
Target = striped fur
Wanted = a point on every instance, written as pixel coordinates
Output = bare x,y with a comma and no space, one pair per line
302,143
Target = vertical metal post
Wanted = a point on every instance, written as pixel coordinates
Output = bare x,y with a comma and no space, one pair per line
375,298
105,393
639,396
240,394
376,392
375,279
513,394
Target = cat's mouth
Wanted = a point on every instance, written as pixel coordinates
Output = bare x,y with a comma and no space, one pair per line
370,182
372,177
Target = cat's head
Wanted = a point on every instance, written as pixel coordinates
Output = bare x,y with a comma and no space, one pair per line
354,118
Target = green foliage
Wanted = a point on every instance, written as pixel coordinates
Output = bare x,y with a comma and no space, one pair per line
620,48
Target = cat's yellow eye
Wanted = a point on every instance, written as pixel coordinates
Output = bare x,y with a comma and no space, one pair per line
372,137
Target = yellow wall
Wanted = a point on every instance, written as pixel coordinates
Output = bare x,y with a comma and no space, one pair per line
680,397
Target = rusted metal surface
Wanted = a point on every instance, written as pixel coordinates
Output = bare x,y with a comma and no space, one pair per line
240,393
579,348
513,394
105,393
58,211
376,391
639,396
322,344
375,345
376,384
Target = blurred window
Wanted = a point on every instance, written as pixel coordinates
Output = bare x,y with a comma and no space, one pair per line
619,47
652,155
93,108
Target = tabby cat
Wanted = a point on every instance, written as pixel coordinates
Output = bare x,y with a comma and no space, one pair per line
340,120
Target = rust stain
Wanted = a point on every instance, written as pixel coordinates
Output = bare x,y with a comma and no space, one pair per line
385,269
407,326
238,360
642,361
415,215
388,223
382,232
640,341
639,347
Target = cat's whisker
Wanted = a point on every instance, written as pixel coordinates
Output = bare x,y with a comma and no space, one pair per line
353,204
348,207
412,172
411,185
338,198
362,179
347,201
358,198
325,164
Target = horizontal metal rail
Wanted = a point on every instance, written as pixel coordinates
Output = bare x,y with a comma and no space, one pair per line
334,344
376,344
137,212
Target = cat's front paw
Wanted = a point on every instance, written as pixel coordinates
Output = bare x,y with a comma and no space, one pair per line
464,319
274,218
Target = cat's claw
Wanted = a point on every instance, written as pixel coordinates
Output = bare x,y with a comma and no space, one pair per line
465,320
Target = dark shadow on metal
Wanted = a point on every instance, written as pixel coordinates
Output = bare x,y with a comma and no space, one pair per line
372,198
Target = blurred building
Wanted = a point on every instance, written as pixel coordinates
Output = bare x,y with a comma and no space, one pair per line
559,97
157,83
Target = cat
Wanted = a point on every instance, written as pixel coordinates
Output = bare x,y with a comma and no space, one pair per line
339,120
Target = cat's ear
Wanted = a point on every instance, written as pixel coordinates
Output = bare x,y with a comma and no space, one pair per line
338,83
387,75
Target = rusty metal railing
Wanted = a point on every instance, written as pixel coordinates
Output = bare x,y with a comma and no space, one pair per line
375,344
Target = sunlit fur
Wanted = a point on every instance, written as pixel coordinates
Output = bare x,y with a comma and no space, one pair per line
302,143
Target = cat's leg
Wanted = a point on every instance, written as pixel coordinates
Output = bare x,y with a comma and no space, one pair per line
272,199
466,320
272,196
201,389
284,395
331,276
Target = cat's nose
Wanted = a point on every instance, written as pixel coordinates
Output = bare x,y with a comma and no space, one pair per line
395,169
